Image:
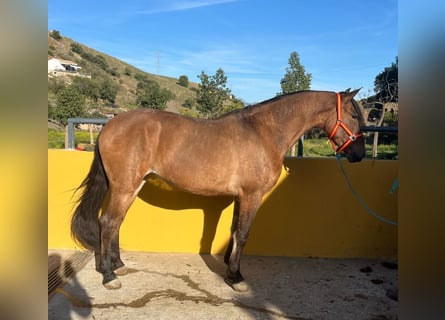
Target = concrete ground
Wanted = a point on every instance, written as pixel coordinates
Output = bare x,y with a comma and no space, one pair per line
191,286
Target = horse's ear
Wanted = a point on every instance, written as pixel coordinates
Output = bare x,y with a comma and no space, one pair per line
354,92
348,95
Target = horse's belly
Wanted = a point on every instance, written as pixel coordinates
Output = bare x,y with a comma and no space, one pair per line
203,184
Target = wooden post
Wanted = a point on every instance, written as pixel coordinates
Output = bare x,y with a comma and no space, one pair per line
292,150
376,134
90,128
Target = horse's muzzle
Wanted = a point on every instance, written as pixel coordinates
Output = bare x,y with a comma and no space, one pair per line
356,151
353,157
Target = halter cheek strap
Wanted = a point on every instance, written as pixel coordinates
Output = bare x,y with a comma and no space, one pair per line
352,137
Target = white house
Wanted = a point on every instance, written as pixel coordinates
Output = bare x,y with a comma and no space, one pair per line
63,67
55,65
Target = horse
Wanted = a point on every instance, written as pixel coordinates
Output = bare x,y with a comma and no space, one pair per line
239,154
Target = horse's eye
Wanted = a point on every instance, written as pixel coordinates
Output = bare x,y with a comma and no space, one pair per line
354,116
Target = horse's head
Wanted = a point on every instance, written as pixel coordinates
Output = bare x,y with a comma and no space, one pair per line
345,134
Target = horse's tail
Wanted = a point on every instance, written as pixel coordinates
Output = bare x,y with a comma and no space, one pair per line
84,222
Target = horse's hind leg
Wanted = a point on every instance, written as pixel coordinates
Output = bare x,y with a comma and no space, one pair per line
110,222
116,263
242,220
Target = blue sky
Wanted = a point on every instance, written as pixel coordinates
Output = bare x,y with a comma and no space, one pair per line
342,43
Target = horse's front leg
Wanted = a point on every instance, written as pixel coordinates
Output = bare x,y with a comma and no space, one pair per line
248,206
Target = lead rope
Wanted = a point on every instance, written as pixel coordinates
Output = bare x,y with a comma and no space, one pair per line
357,196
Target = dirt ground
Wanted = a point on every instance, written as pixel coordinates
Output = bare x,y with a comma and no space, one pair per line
191,286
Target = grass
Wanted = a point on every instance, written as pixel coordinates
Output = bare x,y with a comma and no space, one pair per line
384,151
56,138
317,148
312,147
322,148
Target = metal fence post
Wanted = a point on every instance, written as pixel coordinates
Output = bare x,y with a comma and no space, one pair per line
70,134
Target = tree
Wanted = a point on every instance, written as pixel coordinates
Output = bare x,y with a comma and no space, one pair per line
70,104
100,61
386,83
56,35
386,88
77,48
232,104
151,95
183,81
88,87
55,85
212,94
108,90
296,78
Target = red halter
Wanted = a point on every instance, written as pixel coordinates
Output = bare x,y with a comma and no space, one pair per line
340,123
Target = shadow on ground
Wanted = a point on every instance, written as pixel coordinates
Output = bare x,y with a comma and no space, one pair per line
68,293
163,286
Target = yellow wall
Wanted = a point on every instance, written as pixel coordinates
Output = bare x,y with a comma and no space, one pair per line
310,212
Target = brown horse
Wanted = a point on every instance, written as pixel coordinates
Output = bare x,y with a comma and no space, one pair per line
239,154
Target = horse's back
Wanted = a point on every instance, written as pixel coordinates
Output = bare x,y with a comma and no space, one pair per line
170,131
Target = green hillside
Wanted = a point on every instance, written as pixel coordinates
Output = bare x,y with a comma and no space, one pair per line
101,66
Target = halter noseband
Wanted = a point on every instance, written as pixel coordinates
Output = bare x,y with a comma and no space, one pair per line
352,137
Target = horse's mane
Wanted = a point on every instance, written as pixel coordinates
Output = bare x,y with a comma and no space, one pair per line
282,96
359,110
279,97
258,104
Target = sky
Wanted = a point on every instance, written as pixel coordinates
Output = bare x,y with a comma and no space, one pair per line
343,43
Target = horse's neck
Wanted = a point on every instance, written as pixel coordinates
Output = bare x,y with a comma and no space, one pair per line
288,120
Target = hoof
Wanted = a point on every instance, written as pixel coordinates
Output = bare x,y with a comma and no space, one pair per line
241,286
122,271
113,284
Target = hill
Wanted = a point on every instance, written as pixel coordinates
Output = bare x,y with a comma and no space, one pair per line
101,66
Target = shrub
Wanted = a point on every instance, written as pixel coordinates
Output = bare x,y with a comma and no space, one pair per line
183,81
55,35
70,104
151,95
77,48
100,61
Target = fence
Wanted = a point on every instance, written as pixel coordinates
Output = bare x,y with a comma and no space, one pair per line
73,121
375,129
